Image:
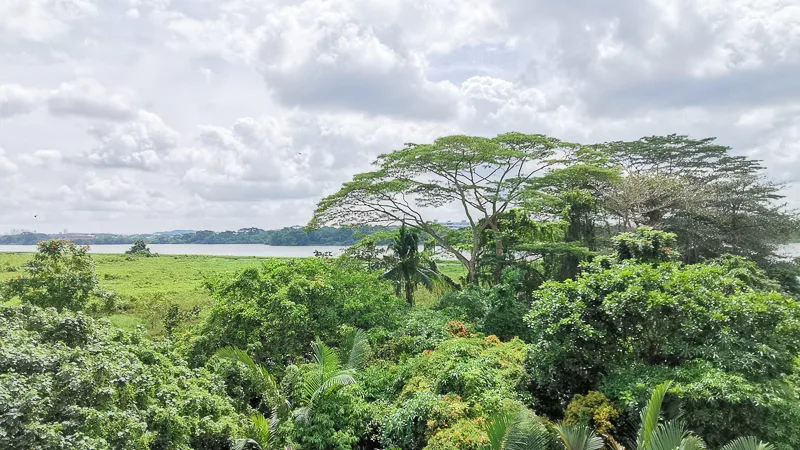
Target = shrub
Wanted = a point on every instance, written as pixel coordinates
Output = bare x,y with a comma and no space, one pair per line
68,381
139,248
60,275
665,316
496,310
420,330
593,409
275,310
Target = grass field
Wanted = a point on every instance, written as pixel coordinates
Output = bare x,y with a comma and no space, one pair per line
149,286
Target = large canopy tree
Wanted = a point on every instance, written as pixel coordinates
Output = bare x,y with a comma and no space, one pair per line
483,177
716,202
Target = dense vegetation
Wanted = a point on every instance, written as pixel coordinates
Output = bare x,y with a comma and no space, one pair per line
284,236
624,295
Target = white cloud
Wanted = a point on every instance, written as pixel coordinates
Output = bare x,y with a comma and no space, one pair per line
7,166
244,112
15,99
138,144
42,20
88,98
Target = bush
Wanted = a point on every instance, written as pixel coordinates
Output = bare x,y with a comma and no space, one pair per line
594,410
420,330
68,381
60,275
666,316
495,310
276,310
139,248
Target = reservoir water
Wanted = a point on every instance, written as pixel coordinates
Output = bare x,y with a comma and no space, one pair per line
205,249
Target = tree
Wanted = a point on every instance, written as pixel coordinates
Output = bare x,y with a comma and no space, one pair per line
139,248
483,177
408,266
717,203
61,275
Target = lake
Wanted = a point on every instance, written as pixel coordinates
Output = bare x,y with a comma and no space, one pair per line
294,251
205,249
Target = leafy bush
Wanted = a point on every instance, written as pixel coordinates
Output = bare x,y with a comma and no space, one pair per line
646,245
495,310
274,311
139,248
420,330
593,409
718,405
68,381
666,316
60,275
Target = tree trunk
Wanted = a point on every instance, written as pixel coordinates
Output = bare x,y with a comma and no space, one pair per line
497,276
409,293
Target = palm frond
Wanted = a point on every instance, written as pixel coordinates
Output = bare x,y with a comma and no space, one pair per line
498,427
748,443
302,414
578,437
526,433
649,416
394,273
693,442
242,357
421,277
343,378
667,436
355,348
245,444
260,430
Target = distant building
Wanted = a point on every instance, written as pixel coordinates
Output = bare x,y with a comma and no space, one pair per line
454,225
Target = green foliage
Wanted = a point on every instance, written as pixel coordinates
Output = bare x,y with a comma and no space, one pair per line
646,245
420,330
718,405
579,437
666,314
495,311
139,248
274,311
68,381
408,267
482,176
61,275
593,409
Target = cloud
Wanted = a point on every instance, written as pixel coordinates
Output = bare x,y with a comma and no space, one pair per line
246,112
42,20
15,100
7,167
137,144
88,98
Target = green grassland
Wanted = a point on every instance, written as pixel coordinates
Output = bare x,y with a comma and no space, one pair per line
149,286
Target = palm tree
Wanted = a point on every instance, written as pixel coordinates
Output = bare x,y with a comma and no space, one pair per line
329,372
410,267
508,430
578,437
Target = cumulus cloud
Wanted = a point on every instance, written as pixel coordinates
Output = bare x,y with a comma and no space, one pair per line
137,144
42,20
246,112
88,98
16,99
7,166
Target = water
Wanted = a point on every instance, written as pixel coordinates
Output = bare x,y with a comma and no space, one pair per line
205,249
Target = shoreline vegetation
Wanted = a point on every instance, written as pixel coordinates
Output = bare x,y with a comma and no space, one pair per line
289,236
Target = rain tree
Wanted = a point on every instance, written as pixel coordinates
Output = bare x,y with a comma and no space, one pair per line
481,177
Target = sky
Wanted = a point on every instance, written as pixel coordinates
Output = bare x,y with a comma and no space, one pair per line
144,115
